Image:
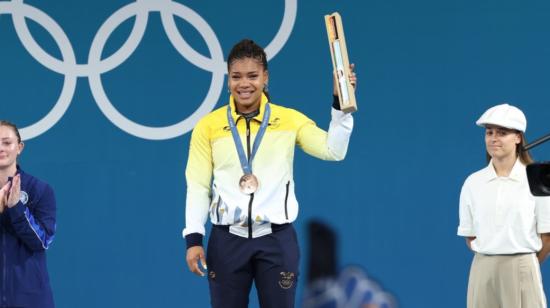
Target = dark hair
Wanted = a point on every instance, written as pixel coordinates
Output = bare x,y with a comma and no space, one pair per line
13,127
247,48
524,156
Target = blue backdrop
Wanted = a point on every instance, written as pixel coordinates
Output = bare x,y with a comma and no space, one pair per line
101,88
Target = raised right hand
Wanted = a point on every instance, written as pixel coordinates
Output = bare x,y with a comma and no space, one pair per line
194,255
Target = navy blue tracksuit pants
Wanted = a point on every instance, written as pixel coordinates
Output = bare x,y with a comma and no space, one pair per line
271,261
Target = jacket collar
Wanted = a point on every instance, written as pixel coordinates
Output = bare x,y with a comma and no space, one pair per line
237,116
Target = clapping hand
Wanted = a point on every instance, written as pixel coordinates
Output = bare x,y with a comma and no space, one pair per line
10,193
3,196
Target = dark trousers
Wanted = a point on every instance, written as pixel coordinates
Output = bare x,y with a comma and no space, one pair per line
234,262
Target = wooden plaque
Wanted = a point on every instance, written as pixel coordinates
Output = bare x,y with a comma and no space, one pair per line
340,62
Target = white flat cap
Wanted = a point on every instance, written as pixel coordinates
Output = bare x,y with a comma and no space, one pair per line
504,115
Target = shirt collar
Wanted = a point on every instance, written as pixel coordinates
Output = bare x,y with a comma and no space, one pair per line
518,171
258,117
517,174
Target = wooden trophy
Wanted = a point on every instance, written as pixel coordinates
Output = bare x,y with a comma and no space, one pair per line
340,62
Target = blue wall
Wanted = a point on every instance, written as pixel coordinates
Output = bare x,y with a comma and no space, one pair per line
427,69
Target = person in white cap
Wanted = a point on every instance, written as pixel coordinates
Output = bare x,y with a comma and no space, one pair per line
503,223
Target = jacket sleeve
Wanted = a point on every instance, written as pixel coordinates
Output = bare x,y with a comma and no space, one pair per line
331,145
198,176
36,227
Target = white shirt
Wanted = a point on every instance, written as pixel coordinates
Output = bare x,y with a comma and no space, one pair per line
502,213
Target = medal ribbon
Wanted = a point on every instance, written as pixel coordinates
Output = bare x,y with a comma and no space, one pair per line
246,164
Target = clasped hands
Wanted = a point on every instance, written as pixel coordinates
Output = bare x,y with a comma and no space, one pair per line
10,193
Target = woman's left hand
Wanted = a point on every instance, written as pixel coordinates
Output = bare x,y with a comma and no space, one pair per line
15,191
352,79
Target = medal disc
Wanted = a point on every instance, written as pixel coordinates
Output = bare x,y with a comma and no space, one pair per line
248,184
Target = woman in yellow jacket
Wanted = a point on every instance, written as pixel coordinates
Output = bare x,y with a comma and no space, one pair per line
239,173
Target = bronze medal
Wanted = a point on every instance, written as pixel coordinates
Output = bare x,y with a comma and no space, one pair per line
248,184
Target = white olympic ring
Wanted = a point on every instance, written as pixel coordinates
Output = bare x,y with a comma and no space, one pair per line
97,66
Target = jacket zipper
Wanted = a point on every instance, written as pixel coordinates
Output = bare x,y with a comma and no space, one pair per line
251,195
4,273
218,209
250,216
286,200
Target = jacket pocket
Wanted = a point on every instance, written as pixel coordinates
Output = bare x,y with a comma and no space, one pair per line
286,199
30,276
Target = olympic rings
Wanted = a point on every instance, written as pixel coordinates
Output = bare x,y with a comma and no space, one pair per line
96,66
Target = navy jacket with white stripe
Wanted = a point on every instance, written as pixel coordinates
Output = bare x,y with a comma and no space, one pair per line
26,232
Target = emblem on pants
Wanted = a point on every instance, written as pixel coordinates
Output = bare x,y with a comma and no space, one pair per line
287,280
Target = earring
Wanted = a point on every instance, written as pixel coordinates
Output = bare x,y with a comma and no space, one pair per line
266,88
228,90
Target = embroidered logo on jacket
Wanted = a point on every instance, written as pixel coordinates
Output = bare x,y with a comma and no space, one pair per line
287,280
275,123
23,197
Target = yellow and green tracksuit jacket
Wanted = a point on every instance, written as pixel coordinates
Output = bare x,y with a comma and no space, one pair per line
213,169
